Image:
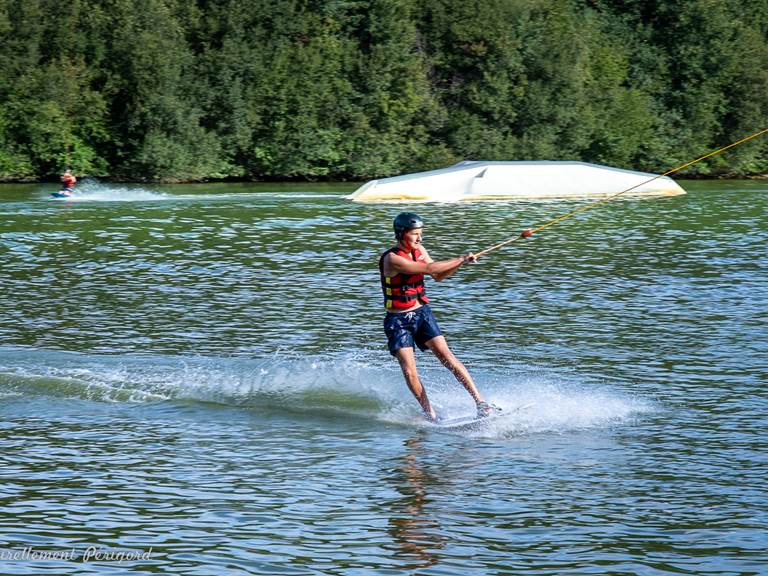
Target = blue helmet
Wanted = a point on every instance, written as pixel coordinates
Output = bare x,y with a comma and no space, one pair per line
406,221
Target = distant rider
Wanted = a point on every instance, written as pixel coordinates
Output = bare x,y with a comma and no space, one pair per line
68,181
409,318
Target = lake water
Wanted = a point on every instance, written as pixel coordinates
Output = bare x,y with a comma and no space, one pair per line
198,374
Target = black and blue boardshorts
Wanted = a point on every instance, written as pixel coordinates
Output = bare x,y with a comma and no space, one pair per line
405,328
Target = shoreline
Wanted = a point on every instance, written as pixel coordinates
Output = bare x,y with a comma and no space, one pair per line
116,180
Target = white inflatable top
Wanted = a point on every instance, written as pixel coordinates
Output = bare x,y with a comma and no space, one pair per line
487,180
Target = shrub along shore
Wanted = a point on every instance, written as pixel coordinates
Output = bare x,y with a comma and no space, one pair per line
192,90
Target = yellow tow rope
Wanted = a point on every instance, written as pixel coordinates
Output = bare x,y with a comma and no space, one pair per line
527,233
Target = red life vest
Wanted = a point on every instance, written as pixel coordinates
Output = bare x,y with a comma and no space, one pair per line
400,290
68,181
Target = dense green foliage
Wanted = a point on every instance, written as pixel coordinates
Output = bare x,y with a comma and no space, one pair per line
276,89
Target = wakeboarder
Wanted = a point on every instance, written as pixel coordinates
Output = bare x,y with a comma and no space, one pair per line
409,318
68,182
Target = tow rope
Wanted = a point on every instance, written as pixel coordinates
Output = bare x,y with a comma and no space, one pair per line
527,233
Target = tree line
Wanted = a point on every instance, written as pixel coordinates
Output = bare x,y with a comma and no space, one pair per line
186,90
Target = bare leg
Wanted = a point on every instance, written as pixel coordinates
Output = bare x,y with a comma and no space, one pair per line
439,347
407,360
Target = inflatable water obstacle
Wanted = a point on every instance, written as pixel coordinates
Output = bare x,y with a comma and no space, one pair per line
523,180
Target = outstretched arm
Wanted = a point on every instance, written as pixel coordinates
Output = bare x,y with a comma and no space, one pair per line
463,259
439,270
440,276
443,275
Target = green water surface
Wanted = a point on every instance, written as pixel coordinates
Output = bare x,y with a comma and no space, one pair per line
201,370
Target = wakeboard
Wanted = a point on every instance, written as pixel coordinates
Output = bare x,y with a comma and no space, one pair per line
475,423
61,194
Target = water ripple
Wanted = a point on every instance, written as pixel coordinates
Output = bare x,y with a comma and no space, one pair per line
200,371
